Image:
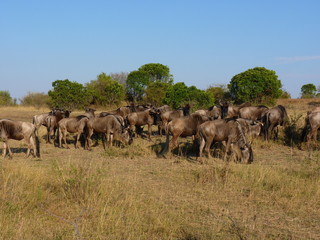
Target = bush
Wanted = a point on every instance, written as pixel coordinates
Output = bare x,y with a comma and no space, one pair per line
6,99
34,99
69,95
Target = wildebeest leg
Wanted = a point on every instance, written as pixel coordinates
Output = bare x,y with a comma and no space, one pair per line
208,145
149,131
77,140
227,150
4,151
89,141
202,143
51,129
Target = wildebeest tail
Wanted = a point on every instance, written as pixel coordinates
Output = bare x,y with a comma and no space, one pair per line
36,138
305,128
166,146
266,122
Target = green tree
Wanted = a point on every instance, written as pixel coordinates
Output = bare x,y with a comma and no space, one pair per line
308,91
35,99
105,91
157,72
285,94
199,98
69,95
156,93
177,95
6,99
137,82
257,85
219,92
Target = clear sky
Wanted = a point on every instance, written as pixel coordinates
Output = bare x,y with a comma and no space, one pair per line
202,42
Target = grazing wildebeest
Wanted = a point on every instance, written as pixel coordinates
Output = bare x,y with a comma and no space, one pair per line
122,111
272,118
147,117
71,125
112,126
312,123
18,130
183,126
39,120
228,111
213,112
51,122
168,116
253,112
233,132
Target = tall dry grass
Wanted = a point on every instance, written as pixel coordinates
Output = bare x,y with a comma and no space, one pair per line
129,193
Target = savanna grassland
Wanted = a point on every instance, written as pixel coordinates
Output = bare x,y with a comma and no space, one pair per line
130,193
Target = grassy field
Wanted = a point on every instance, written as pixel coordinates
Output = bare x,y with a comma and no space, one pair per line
129,193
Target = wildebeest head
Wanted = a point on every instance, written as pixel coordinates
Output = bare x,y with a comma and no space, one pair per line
246,153
126,136
186,110
154,113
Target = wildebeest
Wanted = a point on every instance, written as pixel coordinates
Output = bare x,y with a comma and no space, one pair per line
183,126
18,130
51,122
71,125
213,112
228,111
233,132
39,120
112,126
253,112
122,111
137,119
272,118
168,116
312,122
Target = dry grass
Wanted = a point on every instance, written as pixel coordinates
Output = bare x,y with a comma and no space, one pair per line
129,193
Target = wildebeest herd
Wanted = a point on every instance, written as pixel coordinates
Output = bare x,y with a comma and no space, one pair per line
234,126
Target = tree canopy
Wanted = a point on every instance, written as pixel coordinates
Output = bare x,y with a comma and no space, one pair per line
256,85
308,91
6,99
69,95
105,91
157,72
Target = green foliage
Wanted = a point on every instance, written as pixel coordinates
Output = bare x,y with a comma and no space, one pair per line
258,85
284,94
199,98
69,95
35,99
308,91
156,93
137,82
6,99
177,95
105,91
218,92
157,72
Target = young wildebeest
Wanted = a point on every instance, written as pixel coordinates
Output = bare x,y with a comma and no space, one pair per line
272,118
168,116
39,120
312,122
233,132
184,126
213,112
112,126
148,117
71,125
51,122
253,112
18,130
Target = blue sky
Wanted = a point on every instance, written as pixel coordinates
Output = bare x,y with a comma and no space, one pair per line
202,42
